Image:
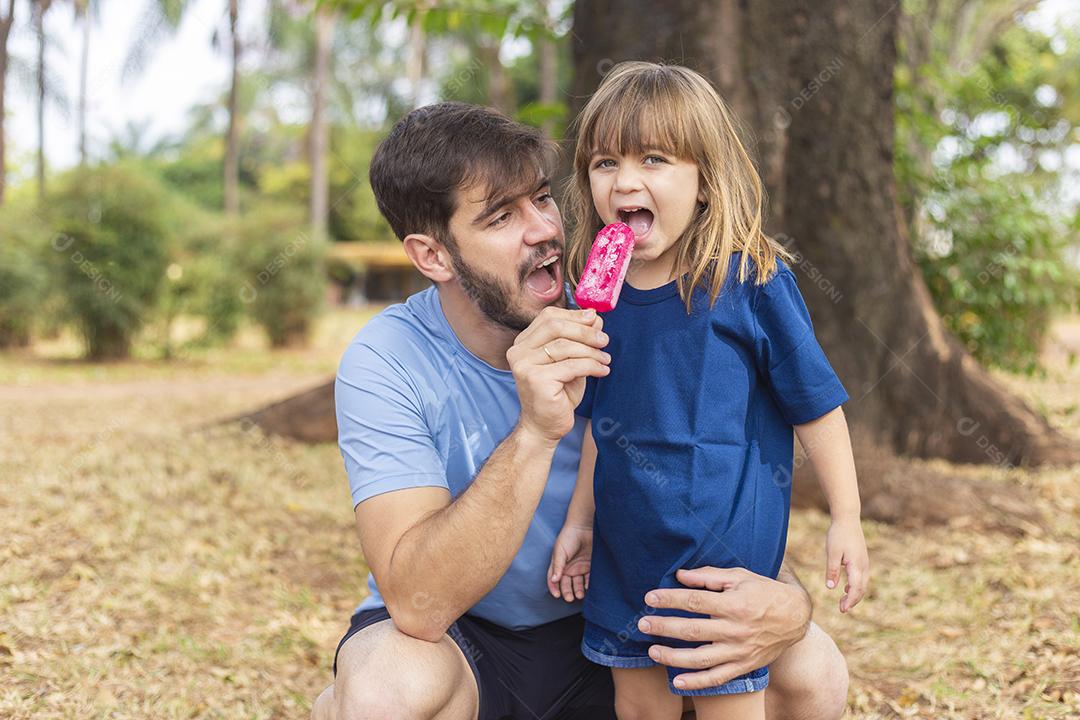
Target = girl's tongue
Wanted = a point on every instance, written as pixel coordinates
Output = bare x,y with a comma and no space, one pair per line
639,221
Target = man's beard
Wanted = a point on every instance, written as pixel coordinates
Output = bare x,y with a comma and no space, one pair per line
494,298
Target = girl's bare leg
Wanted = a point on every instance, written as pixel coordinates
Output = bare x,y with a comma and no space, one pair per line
739,706
643,694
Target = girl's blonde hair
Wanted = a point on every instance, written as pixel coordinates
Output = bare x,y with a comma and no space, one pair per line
641,106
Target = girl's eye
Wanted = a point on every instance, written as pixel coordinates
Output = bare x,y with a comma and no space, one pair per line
605,163
655,158
544,199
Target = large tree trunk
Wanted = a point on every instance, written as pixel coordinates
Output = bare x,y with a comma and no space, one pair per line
232,137
5,32
319,131
813,81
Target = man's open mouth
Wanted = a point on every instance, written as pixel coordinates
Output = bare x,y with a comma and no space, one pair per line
639,219
546,278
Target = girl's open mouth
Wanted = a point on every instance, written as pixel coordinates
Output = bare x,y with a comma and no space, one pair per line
640,220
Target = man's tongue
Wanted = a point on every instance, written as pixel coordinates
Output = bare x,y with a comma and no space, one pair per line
640,221
540,281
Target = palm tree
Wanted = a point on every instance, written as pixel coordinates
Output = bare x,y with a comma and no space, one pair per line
319,131
41,7
163,17
6,21
232,151
83,11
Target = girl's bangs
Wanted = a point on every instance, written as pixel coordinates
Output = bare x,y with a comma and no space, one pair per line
637,122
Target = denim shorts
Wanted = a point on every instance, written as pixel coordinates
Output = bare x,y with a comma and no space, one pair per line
615,650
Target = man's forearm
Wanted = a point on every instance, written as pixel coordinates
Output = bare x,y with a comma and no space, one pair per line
444,564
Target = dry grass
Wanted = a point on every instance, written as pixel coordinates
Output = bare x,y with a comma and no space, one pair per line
151,571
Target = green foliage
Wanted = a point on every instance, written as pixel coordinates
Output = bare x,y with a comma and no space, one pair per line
109,252
354,216
22,279
196,171
201,280
279,272
980,140
994,264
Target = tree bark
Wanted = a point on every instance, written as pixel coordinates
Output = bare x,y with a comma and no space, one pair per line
232,152
814,80
319,132
5,32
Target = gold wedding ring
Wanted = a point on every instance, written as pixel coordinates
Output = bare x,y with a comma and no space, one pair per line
548,353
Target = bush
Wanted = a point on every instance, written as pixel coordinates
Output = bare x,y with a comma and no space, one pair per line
282,280
996,266
22,279
202,279
109,252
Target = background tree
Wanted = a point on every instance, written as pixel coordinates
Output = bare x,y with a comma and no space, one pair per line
161,18
40,8
985,119
232,134
6,21
320,130
86,12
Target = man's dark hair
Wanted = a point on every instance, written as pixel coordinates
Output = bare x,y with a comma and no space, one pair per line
437,150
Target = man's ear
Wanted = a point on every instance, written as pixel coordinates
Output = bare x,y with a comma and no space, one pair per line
429,256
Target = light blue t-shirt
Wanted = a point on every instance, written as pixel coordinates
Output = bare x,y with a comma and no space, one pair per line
415,408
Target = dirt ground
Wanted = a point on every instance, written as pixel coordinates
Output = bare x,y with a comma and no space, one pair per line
155,566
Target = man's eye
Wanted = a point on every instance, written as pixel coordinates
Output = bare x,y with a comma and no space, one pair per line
500,219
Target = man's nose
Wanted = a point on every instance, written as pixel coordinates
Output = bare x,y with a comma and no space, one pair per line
539,228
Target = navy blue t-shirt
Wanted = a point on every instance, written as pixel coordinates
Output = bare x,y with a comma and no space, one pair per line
693,428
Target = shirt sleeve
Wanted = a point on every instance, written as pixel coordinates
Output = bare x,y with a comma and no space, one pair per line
382,434
798,374
584,408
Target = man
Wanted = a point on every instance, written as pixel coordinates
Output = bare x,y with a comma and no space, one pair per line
456,423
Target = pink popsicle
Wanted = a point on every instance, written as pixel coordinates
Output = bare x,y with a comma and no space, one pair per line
606,268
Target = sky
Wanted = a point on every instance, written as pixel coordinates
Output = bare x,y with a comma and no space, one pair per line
183,71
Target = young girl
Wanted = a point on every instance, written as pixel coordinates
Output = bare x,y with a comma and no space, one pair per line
689,449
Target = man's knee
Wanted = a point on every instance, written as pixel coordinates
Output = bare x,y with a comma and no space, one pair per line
809,681
383,673
323,708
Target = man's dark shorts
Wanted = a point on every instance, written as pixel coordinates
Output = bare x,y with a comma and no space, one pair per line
528,674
